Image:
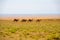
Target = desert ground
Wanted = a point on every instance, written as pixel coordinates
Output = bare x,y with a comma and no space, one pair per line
45,29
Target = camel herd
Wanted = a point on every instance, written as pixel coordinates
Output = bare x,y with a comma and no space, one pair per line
37,20
24,20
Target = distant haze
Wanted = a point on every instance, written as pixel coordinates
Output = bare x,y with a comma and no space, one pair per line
10,9
30,6
42,16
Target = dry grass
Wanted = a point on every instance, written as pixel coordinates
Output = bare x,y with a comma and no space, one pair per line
43,30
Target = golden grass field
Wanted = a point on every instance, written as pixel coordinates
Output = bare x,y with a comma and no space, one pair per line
43,30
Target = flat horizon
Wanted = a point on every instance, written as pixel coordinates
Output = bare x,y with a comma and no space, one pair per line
19,16
45,9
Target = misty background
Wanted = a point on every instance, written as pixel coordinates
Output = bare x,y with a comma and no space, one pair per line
16,8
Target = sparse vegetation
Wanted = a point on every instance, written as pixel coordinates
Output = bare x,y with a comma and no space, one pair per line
43,30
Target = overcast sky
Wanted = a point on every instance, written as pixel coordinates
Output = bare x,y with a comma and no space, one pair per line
29,6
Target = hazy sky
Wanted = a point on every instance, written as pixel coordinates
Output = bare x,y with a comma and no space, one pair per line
29,6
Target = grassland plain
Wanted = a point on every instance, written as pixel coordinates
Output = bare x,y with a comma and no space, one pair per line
43,30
